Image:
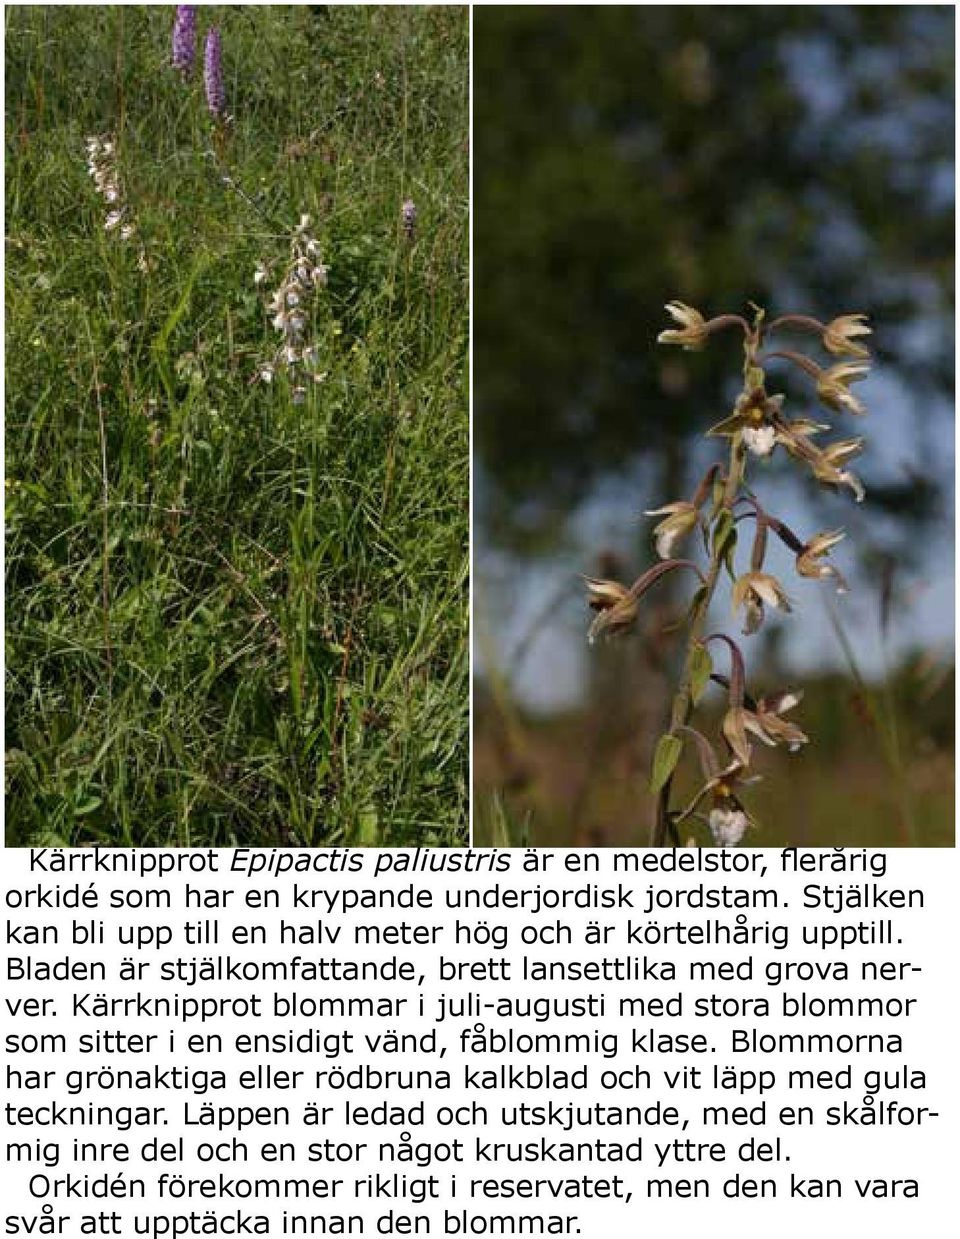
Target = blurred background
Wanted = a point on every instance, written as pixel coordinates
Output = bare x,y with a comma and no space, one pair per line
800,157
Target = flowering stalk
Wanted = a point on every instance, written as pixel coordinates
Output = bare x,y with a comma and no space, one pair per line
184,40
290,307
213,74
722,501
408,216
104,170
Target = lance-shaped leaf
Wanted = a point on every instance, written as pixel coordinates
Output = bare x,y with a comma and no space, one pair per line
700,668
722,529
665,758
725,539
717,497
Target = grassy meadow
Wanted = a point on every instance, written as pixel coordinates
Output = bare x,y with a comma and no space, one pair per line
232,617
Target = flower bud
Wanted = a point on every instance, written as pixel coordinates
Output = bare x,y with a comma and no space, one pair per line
681,519
840,336
752,591
691,334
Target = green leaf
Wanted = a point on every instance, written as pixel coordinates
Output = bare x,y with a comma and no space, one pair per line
159,347
696,602
719,490
729,550
665,760
369,827
722,530
700,668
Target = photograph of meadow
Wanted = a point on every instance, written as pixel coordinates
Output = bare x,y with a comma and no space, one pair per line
714,426
236,425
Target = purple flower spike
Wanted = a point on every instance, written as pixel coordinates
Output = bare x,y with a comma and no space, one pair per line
185,38
213,73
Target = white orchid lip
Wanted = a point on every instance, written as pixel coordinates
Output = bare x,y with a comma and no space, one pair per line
761,440
728,826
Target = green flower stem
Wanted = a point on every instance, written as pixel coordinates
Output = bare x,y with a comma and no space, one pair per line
663,831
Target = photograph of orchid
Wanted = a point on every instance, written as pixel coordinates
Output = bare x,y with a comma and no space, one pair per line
236,425
723,510
771,658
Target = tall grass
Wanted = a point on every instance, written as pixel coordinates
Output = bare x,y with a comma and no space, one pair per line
231,618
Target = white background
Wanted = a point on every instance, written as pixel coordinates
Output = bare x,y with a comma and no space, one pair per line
927,1153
